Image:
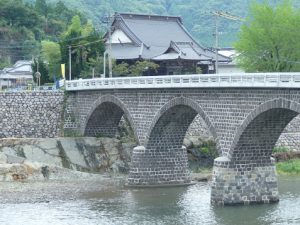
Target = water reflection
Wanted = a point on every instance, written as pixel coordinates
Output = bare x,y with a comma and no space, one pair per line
181,205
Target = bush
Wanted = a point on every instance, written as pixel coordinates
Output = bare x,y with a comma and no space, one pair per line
289,167
208,148
280,149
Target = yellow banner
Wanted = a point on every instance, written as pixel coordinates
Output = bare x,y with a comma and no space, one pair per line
63,70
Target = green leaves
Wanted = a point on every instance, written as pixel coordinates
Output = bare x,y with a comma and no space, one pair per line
51,54
143,66
268,41
87,46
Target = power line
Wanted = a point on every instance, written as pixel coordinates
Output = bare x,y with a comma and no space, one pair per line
225,15
88,43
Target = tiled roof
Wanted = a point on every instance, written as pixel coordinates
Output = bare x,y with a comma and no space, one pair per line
152,35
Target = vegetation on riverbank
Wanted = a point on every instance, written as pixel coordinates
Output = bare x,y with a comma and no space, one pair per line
290,167
287,162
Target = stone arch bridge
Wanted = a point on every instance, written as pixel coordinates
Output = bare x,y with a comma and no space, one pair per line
245,114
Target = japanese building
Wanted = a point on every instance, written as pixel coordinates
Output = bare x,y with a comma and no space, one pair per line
160,39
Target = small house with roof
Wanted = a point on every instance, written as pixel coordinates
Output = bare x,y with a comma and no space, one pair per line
160,39
19,75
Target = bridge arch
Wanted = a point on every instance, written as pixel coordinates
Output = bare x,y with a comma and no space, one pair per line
163,159
188,103
104,117
248,174
259,132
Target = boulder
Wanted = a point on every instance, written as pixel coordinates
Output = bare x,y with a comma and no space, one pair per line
3,158
119,167
12,159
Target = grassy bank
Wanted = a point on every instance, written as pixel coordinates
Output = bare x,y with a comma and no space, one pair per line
290,167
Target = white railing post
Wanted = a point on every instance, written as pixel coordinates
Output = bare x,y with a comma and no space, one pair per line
269,80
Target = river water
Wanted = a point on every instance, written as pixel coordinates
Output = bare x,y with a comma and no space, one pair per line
103,202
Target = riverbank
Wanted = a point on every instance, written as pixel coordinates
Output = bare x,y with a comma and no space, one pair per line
73,186
287,162
290,167
83,157
37,159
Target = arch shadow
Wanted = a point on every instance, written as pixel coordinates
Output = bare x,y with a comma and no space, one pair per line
114,101
274,104
182,101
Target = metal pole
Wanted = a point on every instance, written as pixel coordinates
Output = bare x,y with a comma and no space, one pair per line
226,16
109,51
104,64
217,44
70,62
37,68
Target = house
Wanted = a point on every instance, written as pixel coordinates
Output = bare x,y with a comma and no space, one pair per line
229,67
19,75
160,39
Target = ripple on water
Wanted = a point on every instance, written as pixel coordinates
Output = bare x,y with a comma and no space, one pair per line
161,206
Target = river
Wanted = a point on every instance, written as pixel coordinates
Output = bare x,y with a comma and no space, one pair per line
106,202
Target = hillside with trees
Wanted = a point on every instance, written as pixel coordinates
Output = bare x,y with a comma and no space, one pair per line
23,26
44,31
196,14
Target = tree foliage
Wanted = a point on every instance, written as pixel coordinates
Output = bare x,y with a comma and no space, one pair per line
86,47
139,68
121,69
143,66
24,26
269,40
196,14
39,65
52,55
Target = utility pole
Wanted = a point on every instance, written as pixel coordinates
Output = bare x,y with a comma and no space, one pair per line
70,62
217,15
217,44
108,20
109,54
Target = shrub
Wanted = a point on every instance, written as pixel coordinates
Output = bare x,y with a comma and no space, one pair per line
280,149
289,167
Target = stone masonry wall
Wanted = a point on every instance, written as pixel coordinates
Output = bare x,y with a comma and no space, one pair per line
290,137
234,117
31,114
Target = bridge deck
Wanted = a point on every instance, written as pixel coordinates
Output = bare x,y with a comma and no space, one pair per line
257,80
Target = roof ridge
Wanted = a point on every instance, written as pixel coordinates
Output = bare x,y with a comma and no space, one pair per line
148,15
188,33
126,29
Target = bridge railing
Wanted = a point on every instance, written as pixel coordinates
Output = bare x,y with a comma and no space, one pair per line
266,80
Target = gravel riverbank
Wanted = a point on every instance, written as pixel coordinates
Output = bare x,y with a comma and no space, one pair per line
76,186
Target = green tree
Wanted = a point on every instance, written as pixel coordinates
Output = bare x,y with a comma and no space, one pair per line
51,54
41,7
121,69
86,45
269,40
143,66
